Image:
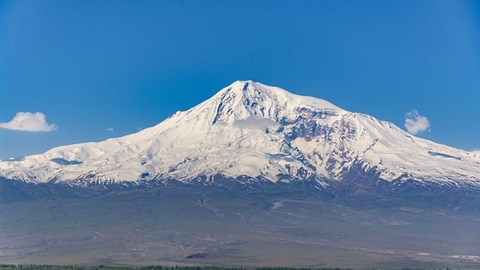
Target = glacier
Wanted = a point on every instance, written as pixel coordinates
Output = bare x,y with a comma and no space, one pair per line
249,131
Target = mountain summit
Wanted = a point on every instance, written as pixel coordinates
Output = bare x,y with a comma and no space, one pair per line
247,132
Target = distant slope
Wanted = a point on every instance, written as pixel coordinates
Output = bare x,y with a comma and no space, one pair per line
205,225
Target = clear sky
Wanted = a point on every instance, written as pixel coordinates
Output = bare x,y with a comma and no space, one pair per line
100,69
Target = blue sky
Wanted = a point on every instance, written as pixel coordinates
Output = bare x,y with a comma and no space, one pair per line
89,66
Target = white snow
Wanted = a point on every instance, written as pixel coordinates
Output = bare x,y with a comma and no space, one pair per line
252,129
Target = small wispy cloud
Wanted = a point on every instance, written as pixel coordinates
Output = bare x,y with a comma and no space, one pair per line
416,123
27,121
110,129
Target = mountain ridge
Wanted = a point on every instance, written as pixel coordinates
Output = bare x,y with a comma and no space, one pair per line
250,130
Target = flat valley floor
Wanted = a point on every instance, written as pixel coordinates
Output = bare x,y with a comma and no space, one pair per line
171,227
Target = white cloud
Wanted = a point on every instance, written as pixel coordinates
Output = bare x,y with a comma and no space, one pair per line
27,121
415,123
109,129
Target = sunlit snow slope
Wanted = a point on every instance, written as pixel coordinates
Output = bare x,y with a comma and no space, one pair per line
263,132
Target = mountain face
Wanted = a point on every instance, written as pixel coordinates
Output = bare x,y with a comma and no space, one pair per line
254,176
252,132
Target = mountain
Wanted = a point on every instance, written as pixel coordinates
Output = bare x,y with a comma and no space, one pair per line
251,132
254,176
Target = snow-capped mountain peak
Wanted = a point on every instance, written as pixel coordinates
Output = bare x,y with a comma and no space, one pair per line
256,131
244,99
247,99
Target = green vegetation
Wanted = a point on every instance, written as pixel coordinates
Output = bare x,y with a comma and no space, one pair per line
103,267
